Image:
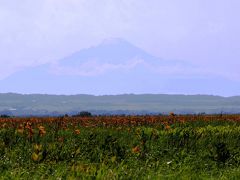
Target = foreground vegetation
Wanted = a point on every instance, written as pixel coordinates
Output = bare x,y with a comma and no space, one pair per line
121,147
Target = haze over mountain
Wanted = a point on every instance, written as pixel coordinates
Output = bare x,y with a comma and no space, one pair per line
167,47
116,66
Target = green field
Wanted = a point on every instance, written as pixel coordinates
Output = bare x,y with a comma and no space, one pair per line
121,147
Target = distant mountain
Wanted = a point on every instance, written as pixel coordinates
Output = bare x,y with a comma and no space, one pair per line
116,66
35,104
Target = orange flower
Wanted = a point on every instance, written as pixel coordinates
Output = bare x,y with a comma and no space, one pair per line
29,128
30,133
4,125
28,125
20,129
167,127
77,131
42,130
136,150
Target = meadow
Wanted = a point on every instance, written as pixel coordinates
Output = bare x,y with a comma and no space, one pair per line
121,147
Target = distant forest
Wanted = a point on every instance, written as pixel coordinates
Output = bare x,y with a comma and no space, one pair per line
55,105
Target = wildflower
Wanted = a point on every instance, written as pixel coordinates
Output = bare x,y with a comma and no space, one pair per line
77,131
136,150
20,129
38,147
28,125
30,130
42,130
4,125
35,156
167,127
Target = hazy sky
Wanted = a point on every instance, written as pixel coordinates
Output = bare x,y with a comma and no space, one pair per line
202,32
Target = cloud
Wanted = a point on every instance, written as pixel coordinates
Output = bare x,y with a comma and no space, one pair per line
94,68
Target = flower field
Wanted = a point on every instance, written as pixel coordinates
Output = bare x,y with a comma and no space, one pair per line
121,147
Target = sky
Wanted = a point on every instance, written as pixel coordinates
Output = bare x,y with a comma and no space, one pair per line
201,32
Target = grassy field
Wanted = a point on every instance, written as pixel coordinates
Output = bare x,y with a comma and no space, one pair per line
121,147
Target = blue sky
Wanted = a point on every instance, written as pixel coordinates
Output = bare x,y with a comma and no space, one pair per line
201,32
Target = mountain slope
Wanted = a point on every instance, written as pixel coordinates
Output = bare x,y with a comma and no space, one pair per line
115,67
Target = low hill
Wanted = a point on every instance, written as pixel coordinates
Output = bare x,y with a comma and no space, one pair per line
39,104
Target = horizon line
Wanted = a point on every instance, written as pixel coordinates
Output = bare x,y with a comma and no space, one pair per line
120,94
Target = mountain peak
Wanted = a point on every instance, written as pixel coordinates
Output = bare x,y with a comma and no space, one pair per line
113,41
110,51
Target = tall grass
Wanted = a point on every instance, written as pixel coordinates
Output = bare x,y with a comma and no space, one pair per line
121,147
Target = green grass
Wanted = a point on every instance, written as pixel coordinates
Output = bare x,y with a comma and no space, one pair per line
193,150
